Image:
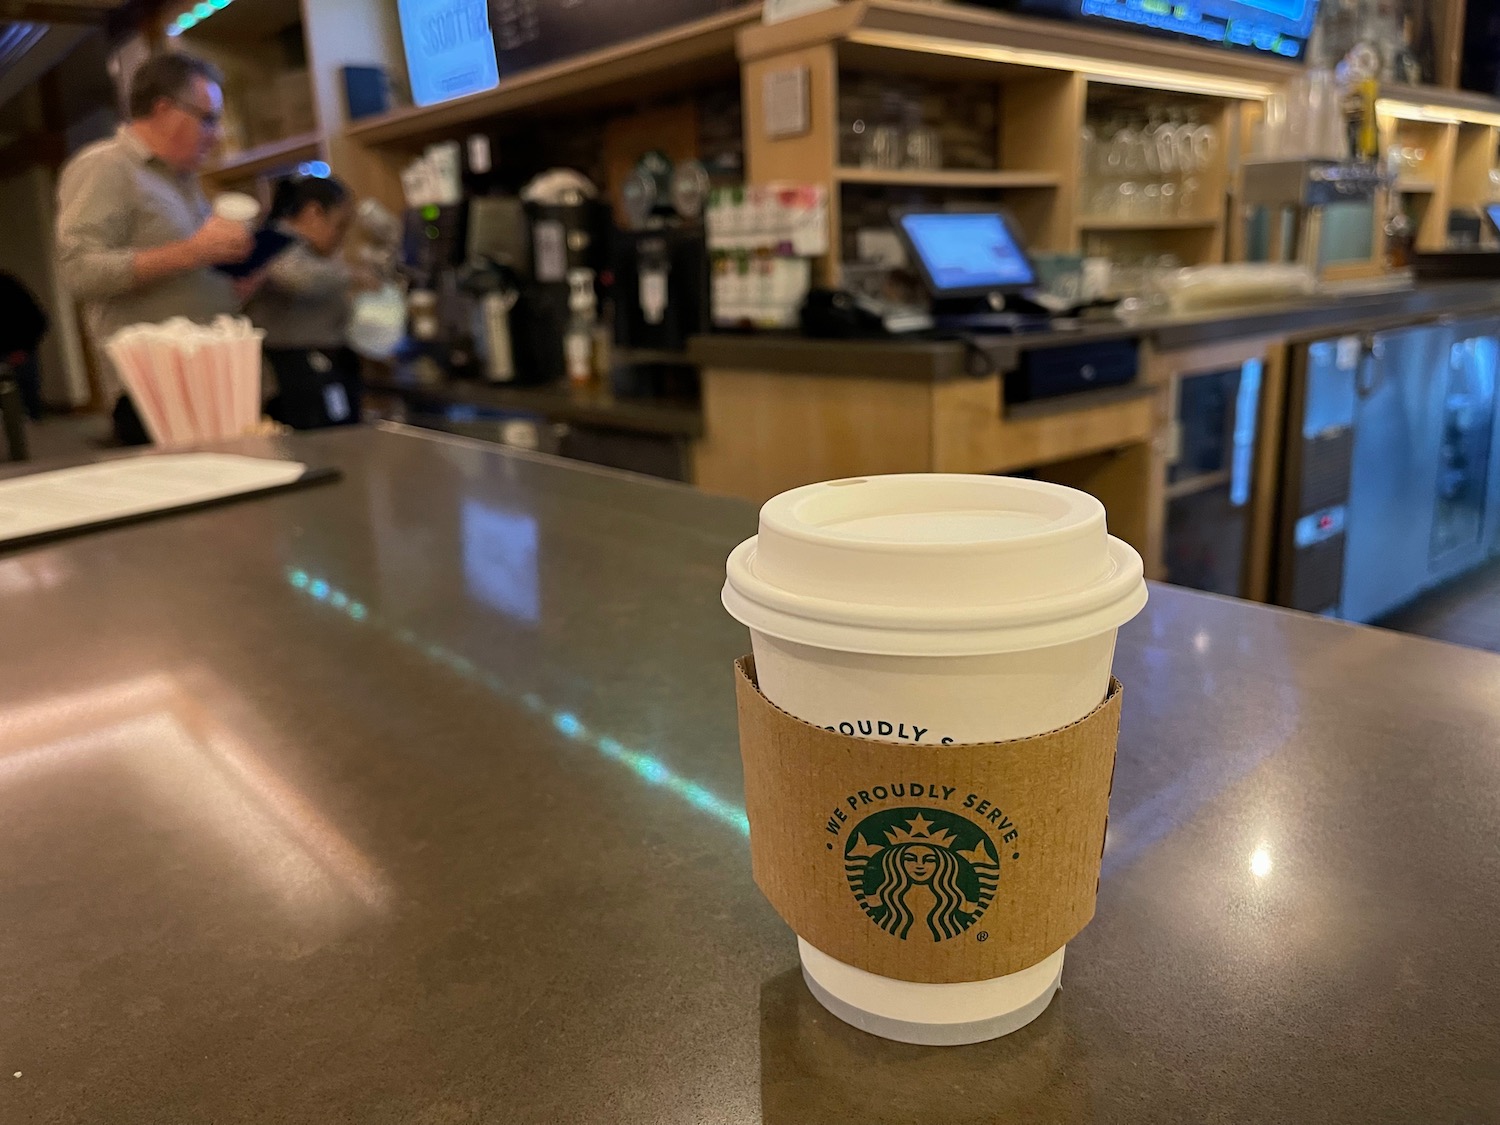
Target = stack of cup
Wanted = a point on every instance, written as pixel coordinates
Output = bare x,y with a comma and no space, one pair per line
976,609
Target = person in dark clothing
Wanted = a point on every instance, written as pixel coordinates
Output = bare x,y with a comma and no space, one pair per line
303,306
23,325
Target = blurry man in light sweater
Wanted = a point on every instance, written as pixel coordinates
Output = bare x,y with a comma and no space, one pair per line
136,238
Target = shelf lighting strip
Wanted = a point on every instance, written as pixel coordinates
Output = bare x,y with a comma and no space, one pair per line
1437,114
195,15
1110,70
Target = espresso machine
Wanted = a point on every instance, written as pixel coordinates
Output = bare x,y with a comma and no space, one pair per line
433,244
490,292
569,229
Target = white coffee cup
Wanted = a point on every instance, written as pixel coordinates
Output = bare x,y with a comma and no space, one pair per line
237,207
957,608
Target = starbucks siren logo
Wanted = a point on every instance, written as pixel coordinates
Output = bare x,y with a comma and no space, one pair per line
921,865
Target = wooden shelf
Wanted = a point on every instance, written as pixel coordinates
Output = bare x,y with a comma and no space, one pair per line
1438,106
1067,406
1202,482
959,40
257,161
674,59
946,178
1108,224
1416,187
646,357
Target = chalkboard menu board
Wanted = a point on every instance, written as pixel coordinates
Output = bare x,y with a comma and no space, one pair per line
529,33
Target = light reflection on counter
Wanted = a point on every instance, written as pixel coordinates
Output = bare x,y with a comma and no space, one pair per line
1260,862
1138,824
647,767
500,560
185,736
32,574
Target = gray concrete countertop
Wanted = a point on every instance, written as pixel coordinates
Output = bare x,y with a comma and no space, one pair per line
416,799
934,359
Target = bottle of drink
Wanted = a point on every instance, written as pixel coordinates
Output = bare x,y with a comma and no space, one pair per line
480,164
578,341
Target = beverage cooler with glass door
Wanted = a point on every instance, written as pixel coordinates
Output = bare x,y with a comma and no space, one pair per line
1210,477
1392,474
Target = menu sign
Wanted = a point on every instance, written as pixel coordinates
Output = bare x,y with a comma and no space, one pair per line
449,49
778,10
532,32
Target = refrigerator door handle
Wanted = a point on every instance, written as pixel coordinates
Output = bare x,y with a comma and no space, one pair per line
1367,377
1246,427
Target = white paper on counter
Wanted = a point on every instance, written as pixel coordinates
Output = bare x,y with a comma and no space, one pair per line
74,498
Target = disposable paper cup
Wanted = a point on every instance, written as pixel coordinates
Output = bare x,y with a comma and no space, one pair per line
927,608
237,207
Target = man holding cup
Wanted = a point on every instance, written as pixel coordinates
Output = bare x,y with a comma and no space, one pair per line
137,241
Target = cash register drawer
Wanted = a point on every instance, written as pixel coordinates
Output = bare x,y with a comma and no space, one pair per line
1052,372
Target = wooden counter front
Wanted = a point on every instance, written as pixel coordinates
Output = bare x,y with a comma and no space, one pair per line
766,431
780,412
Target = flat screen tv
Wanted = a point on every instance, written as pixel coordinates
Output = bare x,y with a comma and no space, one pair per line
1277,28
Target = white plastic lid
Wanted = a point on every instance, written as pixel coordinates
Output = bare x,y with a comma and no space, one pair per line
931,564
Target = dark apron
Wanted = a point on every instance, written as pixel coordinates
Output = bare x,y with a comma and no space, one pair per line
317,387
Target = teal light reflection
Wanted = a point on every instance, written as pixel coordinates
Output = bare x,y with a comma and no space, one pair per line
651,770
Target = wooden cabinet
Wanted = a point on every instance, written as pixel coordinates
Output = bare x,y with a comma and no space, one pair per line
1447,150
1009,122
796,420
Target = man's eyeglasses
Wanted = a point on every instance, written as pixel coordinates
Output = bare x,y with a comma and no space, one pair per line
208,118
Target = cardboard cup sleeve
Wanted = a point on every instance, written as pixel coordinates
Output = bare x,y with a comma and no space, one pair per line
925,862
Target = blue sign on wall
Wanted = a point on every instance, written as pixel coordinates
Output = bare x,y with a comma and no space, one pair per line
449,49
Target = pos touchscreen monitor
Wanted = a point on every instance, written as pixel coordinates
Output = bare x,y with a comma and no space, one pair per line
966,253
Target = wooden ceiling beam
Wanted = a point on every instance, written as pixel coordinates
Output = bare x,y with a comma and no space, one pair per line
62,15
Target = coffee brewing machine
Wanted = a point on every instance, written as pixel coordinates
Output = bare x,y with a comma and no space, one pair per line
497,281
661,263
